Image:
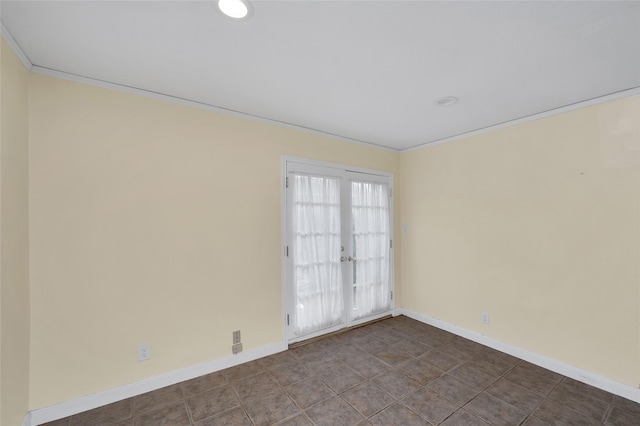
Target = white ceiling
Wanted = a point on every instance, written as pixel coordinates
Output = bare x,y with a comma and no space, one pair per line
370,71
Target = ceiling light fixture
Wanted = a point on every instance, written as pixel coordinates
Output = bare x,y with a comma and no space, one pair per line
447,101
236,9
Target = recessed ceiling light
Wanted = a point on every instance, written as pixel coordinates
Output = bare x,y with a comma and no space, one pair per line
236,9
447,101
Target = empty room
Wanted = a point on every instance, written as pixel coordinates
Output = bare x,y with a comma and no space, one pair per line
254,212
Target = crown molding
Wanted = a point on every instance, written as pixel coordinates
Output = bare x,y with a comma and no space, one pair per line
555,111
141,92
15,47
200,105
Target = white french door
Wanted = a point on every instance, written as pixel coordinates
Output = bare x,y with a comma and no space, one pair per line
338,248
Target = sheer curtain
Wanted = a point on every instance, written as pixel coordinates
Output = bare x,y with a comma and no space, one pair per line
371,237
317,272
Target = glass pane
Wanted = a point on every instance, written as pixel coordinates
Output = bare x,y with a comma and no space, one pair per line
317,272
371,239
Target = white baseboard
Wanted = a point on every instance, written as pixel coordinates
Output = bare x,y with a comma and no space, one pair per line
27,420
89,402
559,367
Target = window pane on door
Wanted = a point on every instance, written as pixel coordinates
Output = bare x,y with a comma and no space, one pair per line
317,273
371,251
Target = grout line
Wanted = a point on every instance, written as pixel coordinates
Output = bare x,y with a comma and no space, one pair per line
607,413
184,401
396,368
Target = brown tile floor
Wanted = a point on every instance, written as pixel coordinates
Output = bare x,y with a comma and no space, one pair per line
393,372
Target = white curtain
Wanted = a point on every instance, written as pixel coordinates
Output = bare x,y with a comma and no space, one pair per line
317,271
371,239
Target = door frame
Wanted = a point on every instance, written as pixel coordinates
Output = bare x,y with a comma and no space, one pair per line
287,294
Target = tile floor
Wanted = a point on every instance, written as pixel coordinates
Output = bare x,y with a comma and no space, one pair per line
394,372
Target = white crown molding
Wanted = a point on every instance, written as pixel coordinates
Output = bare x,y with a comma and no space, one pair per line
207,107
15,47
584,376
89,402
133,90
578,105
200,105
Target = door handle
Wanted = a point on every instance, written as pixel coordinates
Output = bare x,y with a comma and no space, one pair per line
345,259
351,259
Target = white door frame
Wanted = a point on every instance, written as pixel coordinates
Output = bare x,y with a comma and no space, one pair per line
287,293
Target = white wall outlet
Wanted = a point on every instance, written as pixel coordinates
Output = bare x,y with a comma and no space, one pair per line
144,352
484,318
236,337
237,348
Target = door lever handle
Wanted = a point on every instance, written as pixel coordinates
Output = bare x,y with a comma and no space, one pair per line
351,259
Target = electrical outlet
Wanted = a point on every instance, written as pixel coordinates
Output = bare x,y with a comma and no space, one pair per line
485,318
144,352
237,348
236,337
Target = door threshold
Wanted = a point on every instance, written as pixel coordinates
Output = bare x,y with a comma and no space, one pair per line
335,333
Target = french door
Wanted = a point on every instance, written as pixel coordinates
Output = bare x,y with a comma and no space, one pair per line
338,248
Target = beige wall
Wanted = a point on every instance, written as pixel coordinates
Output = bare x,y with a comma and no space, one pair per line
537,224
153,223
144,216
14,240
